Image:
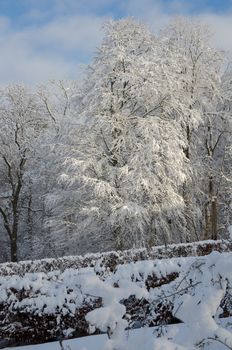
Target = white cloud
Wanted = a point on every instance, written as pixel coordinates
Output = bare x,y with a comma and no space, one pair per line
52,50
151,12
54,41
157,14
221,26
80,33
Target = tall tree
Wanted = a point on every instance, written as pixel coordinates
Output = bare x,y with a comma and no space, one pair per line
128,162
21,123
198,66
60,104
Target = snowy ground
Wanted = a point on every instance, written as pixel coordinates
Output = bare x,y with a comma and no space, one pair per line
196,291
143,338
122,257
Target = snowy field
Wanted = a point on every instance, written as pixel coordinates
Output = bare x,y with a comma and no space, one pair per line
196,289
144,338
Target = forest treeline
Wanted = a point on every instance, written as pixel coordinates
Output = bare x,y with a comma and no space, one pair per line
137,153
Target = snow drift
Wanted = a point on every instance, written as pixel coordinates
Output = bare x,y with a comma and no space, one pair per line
40,306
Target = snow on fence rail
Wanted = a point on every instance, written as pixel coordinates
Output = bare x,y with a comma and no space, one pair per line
112,259
43,306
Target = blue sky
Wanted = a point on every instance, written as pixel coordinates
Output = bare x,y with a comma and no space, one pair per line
46,39
16,9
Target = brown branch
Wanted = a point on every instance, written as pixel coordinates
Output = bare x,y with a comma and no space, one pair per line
16,136
218,139
10,177
6,223
66,96
156,107
45,100
219,341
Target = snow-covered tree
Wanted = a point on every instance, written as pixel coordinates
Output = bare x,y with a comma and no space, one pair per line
126,167
150,117
222,155
59,100
138,153
21,124
199,69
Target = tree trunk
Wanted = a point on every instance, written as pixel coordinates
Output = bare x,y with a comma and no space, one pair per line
207,222
30,222
13,250
118,238
188,213
214,218
213,209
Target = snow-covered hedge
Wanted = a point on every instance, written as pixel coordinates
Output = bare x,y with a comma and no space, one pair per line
43,306
112,259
